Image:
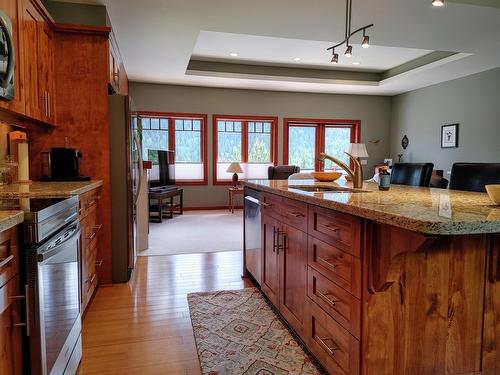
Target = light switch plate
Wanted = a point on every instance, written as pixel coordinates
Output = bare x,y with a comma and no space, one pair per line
364,162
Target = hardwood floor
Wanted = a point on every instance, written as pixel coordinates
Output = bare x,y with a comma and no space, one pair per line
144,327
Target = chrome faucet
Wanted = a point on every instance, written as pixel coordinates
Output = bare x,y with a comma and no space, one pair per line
356,174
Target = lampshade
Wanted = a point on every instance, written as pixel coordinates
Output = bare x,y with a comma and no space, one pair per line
358,150
234,167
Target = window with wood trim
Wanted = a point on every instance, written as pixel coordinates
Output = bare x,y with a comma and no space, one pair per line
185,134
305,139
249,140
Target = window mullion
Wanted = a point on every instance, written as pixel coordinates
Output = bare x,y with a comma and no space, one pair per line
244,141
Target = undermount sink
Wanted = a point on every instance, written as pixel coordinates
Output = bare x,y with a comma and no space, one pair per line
326,189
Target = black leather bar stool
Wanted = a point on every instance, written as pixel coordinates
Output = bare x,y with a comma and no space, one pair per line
474,176
415,174
281,172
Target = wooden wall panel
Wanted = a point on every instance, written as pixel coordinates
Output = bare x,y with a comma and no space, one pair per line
429,320
81,70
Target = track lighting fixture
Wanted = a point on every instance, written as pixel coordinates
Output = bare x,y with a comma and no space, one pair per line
366,40
348,51
335,58
349,34
438,3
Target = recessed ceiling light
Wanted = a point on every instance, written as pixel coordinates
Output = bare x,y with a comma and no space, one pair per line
297,59
356,63
233,54
438,3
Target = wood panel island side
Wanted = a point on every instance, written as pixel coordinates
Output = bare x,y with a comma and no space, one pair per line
397,282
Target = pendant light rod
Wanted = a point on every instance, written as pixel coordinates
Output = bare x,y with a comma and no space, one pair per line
346,40
349,34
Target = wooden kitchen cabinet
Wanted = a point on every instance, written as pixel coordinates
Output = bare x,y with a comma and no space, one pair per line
117,76
46,78
11,300
90,261
293,277
38,65
284,278
270,275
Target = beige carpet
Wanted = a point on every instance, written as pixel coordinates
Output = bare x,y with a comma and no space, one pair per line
196,232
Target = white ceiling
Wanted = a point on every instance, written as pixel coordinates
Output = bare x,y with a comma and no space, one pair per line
157,39
312,53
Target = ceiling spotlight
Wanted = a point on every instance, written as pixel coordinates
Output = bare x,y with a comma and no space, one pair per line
348,51
233,54
335,58
438,3
297,59
366,41
356,63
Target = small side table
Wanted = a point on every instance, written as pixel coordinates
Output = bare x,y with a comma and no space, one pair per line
232,191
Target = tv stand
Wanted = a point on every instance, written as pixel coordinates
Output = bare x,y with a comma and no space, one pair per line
162,203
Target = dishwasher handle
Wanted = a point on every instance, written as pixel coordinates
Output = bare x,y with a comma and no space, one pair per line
253,200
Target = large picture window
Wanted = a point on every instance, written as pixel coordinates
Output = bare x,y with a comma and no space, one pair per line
249,140
185,134
305,139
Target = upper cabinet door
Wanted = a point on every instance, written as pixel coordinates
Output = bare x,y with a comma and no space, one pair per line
30,22
13,8
46,79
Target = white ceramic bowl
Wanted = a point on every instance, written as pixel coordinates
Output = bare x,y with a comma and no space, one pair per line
494,192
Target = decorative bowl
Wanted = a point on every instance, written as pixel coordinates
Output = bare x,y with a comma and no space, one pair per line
326,176
494,192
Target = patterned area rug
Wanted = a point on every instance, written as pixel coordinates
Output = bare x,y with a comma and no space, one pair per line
237,333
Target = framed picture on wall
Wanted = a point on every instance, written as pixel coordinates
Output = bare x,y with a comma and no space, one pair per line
449,136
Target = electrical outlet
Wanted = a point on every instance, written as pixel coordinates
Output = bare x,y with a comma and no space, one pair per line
364,162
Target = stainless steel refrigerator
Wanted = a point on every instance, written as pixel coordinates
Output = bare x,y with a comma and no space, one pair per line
126,172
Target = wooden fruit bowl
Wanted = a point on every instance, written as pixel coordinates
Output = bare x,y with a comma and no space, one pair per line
326,176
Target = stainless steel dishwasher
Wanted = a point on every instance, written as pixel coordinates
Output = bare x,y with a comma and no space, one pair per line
252,234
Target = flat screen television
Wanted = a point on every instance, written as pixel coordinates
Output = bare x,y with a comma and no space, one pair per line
163,171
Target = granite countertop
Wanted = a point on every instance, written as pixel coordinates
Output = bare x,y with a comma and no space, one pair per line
9,219
54,189
425,210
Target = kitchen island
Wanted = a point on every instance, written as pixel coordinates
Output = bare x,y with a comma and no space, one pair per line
398,282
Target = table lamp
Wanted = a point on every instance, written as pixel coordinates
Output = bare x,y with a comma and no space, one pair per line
234,168
358,150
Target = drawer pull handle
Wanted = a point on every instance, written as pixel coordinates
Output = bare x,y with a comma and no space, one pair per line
91,280
264,204
329,349
295,214
332,227
283,245
327,262
97,228
4,262
324,297
91,203
99,263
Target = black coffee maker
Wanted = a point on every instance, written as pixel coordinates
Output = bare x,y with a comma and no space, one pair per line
64,165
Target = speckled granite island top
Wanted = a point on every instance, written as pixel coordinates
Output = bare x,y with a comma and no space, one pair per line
425,210
9,219
39,189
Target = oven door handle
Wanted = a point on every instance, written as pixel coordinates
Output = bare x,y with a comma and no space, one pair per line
42,257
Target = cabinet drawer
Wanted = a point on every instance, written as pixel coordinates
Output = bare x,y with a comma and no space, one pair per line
11,331
336,228
271,205
335,348
9,255
294,213
339,266
339,304
88,201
